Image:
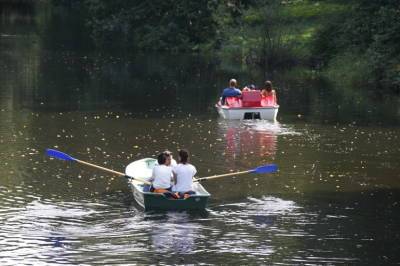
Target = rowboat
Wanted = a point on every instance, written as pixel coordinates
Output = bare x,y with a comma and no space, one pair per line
235,113
158,201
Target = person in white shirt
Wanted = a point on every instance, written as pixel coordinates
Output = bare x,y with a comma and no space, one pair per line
183,175
161,176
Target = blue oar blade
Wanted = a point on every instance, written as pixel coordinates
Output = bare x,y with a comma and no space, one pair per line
59,155
265,169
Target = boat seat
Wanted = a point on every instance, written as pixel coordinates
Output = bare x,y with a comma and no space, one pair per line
251,98
268,101
233,102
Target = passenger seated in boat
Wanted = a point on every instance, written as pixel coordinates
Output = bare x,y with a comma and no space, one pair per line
183,175
170,160
162,176
231,91
268,95
250,87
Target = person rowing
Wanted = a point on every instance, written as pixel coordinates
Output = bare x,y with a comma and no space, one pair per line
161,176
183,175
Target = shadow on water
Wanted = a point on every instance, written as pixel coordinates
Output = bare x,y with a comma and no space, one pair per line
361,225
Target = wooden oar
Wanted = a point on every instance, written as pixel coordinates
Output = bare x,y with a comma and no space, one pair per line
265,169
66,157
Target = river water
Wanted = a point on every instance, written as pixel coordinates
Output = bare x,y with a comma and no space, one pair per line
335,199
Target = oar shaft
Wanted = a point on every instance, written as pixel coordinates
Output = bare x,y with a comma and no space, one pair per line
100,167
110,171
224,175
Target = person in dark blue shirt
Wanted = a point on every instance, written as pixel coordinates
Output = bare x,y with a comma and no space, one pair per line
231,91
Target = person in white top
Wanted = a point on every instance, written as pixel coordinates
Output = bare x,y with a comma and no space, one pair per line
161,176
183,175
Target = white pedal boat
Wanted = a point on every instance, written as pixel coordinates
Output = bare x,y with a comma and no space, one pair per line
235,113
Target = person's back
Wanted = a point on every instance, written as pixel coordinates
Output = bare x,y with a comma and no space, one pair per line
184,173
161,176
268,95
231,91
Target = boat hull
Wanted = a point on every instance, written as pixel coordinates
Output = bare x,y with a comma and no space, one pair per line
158,201
240,113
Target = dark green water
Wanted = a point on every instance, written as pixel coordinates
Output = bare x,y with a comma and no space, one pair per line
335,199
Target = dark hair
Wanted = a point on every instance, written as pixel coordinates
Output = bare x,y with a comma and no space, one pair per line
183,155
167,153
161,158
268,85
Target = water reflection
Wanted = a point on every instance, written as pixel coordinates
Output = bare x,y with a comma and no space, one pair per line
36,232
258,213
108,230
249,139
253,224
176,233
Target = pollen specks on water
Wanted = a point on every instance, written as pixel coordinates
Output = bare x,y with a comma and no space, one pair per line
332,182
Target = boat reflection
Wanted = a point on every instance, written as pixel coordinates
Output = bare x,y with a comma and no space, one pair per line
247,139
177,233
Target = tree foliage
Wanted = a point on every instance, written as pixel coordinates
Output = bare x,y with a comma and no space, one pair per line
272,34
370,32
152,25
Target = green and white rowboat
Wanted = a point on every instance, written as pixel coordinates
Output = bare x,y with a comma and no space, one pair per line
157,201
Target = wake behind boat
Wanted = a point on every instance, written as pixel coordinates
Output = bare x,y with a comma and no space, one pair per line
142,169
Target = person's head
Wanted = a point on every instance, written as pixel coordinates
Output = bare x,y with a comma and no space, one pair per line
233,83
252,87
168,155
183,156
268,85
161,158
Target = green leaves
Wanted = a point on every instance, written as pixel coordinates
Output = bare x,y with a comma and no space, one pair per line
371,31
152,25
